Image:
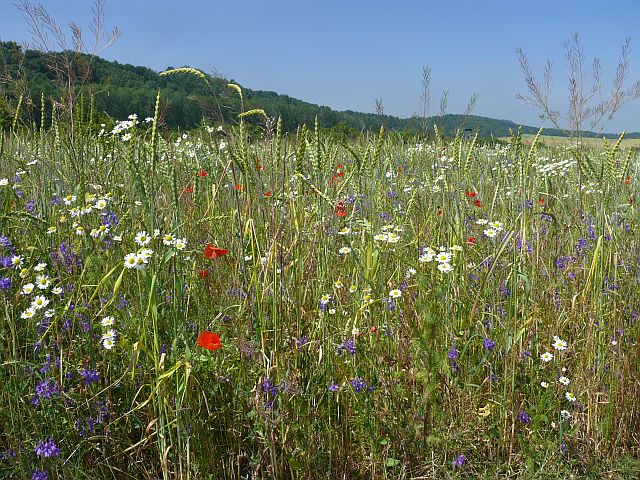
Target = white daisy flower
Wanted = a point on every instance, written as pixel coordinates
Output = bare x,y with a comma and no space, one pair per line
395,293
40,267
558,343
445,267
145,253
393,238
107,321
496,226
16,261
56,290
43,282
28,313
108,343
111,333
28,288
564,380
39,302
181,243
130,260
142,238
570,396
168,240
344,251
141,261
443,257
546,357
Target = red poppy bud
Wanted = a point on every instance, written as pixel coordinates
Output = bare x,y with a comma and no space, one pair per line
203,173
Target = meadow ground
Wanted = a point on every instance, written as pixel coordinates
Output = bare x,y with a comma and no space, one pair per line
211,306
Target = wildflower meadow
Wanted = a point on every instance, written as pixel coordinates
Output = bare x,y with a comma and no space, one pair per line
226,304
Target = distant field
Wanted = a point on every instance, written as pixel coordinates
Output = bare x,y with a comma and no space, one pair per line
592,142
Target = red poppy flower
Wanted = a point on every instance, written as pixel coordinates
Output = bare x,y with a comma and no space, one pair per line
627,181
203,173
260,168
477,203
470,194
204,273
267,194
373,329
209,340
211,251
188,189
472,240
238,187
541,201
340,210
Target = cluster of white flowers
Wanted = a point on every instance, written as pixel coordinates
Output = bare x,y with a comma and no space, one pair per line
493,228
389,234
124,126
42,282
443,257
110,335
559,345
551,167
140,259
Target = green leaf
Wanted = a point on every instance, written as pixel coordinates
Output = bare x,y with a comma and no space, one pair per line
392,462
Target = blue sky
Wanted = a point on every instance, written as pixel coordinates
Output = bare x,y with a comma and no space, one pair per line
345,54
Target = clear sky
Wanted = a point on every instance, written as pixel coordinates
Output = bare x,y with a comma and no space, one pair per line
345,54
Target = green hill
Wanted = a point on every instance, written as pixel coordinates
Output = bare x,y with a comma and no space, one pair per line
121,89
